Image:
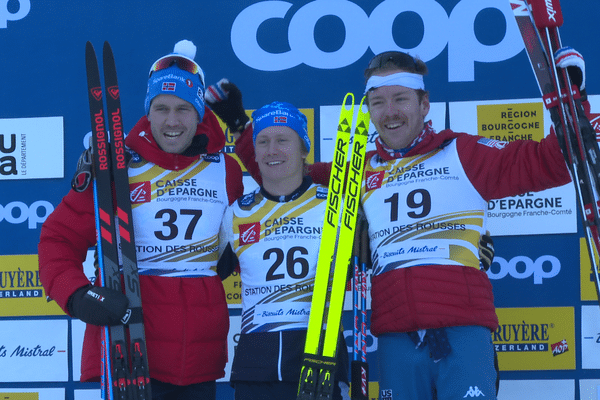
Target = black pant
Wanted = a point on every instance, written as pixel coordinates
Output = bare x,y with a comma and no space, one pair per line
273,391
196,391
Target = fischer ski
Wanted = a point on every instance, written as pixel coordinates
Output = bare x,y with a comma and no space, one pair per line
124,362
319,365
538,21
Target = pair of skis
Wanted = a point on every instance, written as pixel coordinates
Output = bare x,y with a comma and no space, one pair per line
538,21
319,365
124,363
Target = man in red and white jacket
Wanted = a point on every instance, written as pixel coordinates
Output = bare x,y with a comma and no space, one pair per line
425,197
175,154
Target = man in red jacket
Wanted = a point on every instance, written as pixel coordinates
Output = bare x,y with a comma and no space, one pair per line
425,197
175,152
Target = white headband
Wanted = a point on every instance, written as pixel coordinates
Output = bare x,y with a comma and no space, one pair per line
406,79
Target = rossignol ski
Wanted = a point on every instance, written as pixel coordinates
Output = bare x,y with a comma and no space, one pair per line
124,363
538,21
319,365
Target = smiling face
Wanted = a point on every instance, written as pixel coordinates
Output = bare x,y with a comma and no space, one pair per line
397,113
280,155
174,122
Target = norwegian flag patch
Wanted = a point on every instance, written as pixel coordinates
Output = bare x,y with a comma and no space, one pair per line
168,86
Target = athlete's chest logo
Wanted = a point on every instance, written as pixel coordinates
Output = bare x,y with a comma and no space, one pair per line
374,180
249,233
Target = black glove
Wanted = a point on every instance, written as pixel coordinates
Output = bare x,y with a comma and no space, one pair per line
225,99
486,251
98,305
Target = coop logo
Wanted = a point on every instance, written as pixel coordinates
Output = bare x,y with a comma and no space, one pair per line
17,212
522,267
455,32
13,13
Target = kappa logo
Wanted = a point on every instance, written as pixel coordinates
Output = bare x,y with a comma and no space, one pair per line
249,233
473,392
374,180
140,192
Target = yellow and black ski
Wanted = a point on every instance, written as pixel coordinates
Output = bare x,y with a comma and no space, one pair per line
319,365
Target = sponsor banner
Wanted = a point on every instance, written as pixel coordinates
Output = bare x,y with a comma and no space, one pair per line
33,394
587,276
31,148
20,396
230,140
543,267
77,333
92,394
233,290
546,212
88,266
330,117
34,214
21,292
555,389
589,389
34,351
535,338
590,337
455,33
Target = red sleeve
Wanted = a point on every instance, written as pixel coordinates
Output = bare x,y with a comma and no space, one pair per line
211,128
519,167
66,236
234,182
320,172
244,148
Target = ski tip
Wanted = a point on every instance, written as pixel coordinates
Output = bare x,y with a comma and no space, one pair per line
348,105
362,101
